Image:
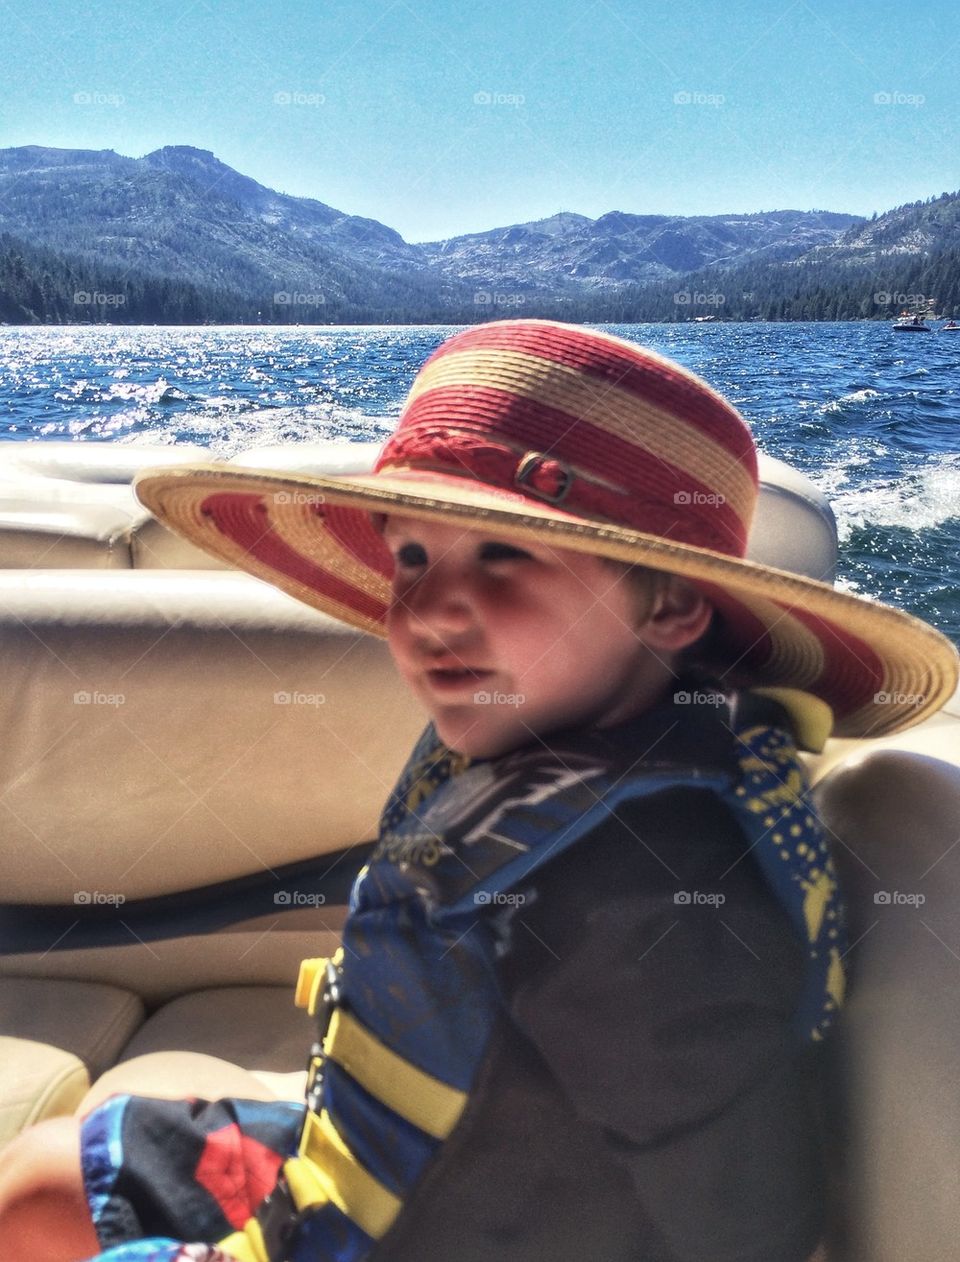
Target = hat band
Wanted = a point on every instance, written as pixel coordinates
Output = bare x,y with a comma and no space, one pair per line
540,475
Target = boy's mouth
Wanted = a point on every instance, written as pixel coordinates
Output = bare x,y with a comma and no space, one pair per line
450,678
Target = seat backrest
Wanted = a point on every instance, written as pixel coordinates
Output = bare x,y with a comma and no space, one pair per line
894,819
164,730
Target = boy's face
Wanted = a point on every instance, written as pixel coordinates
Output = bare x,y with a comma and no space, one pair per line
505,641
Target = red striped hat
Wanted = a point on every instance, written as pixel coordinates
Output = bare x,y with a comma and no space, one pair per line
551,432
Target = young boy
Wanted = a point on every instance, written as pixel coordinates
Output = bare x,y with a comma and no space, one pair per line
580,975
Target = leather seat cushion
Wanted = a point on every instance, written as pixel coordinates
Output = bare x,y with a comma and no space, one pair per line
255,1027
36,538
39,1081
87,1020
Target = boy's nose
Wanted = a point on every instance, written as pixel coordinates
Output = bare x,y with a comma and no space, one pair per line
440,601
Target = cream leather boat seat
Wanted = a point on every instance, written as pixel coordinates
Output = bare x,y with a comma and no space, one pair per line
70,504
56,1038
192,770
894,815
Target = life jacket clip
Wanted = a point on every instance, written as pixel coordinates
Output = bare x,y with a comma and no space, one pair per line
330,999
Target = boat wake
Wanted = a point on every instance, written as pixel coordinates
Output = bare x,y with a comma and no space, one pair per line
918,498
228,431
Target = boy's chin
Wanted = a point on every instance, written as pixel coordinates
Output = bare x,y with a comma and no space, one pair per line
479,738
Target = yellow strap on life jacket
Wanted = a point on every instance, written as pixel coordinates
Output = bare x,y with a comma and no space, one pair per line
309,982
327,1171
426,1102
812,718
246,1245
421,1099
312,978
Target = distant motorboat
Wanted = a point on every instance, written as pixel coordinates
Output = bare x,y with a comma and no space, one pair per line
951,326
911,324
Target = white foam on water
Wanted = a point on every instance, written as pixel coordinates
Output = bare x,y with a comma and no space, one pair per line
850,586
925,496
857,397
834,480
228,432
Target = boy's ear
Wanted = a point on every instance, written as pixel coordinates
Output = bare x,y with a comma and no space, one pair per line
679,617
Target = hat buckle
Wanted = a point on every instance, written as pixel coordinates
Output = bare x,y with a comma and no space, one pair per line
535,473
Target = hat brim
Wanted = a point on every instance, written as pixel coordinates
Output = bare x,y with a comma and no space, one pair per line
879,669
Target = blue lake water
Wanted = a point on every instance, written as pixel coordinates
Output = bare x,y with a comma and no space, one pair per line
871,416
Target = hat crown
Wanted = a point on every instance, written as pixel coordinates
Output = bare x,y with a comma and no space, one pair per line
586,421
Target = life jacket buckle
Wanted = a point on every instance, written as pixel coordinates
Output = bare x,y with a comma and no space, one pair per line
331,999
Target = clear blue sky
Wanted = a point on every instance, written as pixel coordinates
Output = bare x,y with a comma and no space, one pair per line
439,117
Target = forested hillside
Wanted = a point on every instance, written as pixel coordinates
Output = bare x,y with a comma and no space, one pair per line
178,237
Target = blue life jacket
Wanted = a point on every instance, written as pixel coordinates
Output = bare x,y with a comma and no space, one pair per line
410,1001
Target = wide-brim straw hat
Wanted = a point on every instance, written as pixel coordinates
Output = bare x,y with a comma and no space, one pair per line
559,434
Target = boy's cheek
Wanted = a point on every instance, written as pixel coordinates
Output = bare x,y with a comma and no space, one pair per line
395,637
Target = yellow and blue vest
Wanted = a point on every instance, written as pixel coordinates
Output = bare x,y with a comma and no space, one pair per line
409,1003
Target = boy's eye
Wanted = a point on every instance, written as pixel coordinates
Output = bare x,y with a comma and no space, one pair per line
412,555
502,552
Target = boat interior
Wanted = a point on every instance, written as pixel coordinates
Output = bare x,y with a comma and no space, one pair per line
191,774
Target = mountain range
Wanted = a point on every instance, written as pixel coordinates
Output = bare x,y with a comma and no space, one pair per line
181,229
